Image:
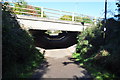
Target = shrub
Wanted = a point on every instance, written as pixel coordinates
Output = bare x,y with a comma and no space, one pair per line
76,18
19,53
100,54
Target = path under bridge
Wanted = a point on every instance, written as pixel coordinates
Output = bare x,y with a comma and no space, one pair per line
43,19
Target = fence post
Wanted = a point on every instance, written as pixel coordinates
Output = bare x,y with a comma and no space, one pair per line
41,11
73,15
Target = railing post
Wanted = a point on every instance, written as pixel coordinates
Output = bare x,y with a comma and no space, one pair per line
41,11
73,15
95,20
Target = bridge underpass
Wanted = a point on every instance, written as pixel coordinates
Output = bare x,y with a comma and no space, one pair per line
38,26
46,41
34,20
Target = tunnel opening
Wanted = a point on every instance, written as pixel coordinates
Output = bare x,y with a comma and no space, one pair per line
63,39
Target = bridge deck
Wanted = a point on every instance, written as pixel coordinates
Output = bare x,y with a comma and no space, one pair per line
32,22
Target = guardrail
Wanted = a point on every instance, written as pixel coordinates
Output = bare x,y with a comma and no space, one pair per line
48,12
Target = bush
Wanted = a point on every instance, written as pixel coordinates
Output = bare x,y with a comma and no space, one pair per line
87,39
112,46
100,54
19,53
76,18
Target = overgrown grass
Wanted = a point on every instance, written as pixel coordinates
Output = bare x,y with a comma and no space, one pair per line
100,55
19,55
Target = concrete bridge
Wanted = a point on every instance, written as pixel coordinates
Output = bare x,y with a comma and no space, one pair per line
37,22
40,18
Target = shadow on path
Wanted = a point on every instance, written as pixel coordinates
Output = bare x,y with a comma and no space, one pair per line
86,76
41,70
59,64
62,68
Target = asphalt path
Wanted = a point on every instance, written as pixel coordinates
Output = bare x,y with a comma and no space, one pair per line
60,65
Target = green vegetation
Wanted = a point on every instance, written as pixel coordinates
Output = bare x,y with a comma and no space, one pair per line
19,8
66,17
77,19
21,4
19,55
101,56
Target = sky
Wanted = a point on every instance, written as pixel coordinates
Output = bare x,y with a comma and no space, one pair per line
93,8
70,0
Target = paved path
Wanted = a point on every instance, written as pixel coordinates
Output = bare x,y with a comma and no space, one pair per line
59,65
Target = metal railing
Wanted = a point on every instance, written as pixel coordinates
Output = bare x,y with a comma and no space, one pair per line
48,13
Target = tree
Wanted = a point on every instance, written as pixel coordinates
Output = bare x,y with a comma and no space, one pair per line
23,4
66,17
77,18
